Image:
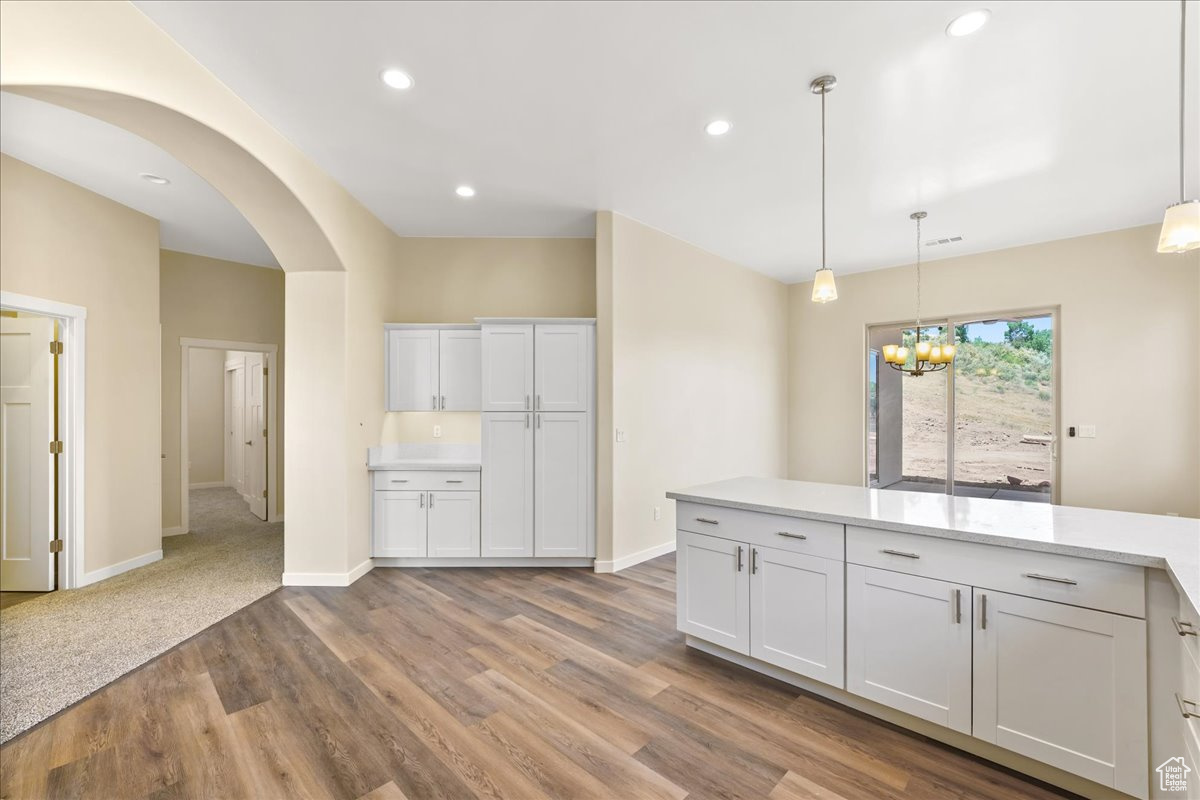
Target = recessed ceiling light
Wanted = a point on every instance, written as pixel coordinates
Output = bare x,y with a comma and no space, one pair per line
465,191
968,23
150,177
718,127
396,78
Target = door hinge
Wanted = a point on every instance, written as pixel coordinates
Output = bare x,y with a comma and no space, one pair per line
56,545
56,348
56,447
264,433
264,494
266,370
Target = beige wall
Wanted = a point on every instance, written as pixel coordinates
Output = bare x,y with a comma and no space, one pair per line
698,353
206,417
61,242
1129,330
206,298
457,280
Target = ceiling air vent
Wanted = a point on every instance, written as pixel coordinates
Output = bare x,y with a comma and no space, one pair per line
948,240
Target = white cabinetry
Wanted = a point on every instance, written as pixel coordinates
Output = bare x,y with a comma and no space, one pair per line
425,514
1061,684
453,524
562,368
507,484
908,644
507,368
563,486
433,368
713,588
400,524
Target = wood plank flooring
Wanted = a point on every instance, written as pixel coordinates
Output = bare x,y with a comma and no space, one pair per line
489,683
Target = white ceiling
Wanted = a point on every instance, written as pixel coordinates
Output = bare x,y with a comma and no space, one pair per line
194,217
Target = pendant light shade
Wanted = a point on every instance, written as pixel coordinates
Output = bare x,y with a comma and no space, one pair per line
1180,228
1181,224
824,288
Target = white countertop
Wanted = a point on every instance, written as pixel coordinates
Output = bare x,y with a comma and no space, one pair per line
422,456
1148,540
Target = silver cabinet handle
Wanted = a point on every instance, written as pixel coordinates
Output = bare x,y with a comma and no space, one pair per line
539,421
1183,704
443,403
422,499
753,560
399,480
1050,578
958,606
900,553
983,612
450,481
434,396
526,402
538,401
1184,628
791,535
739,559
431,499
707,521
527,421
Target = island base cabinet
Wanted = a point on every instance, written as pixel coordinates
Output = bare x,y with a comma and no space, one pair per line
399,525
796,613
713,590
1057,683
908,644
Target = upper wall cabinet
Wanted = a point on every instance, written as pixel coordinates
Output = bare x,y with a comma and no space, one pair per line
507,367
562,368
433,368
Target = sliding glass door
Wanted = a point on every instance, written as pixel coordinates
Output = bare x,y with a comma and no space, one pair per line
984,428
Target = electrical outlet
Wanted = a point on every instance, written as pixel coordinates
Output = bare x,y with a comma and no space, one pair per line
1087,431
437,431
657,513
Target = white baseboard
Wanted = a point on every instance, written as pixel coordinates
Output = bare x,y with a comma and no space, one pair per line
209,485
176,531
624,562
328,578
117,569
483,562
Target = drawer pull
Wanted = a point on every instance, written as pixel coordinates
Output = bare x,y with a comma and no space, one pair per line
707,521
958,606
900,553
1050,578
739,559
753,560
422,499
983,612
450,481
399,480
1183,707
791,535
1184,628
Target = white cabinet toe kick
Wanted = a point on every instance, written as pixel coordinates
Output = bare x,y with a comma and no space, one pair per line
1061,667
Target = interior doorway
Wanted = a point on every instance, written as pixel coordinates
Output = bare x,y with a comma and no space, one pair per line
228,431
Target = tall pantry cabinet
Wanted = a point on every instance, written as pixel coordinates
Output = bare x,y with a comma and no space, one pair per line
538,439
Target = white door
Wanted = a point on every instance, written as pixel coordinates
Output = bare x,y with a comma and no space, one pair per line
563,368
713,589
1063,685
797,618
255,452
562,491
26,466
399,525
237,421
507,367
412,370
453,524
506,485
908,644
460,371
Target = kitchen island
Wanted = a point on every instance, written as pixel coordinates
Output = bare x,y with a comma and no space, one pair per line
1056,640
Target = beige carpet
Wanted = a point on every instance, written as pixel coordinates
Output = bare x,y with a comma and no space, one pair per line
59,648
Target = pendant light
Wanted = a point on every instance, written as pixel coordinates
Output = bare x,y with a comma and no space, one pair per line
929,356
824,287
1181,223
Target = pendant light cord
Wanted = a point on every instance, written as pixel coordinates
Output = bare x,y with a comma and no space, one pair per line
918,279
1182,75
824,91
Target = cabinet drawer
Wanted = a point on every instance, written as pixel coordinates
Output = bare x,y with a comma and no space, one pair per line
1119,588
824,539
426,480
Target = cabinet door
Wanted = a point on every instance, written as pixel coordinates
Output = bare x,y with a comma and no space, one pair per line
562,494
563,368
399,524
460,371
507,367
797,618
507,484
713,590
453,524
908,644
412,370
1063,685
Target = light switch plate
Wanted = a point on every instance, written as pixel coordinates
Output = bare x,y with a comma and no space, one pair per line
620,435
1087,431
657,513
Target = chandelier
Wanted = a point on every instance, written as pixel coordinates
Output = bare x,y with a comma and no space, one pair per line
928,356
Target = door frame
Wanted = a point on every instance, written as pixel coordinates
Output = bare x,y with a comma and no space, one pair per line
271,351
71,407
950,321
